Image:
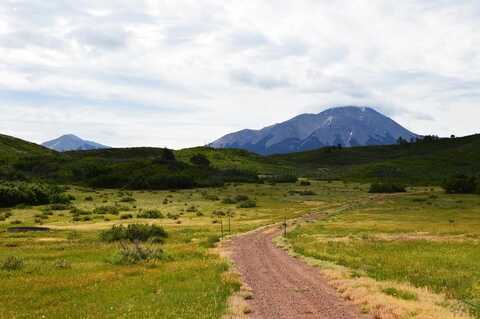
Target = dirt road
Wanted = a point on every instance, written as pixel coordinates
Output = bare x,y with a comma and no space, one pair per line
284,287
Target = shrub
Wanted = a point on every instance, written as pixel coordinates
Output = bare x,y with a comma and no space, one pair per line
387,188
172,216
285,178
135,253
151,213
12,194
134,232
12,263
191,209
228,200
305,183
247,204
89,198
127,200
210,241
126,216
16,222
241,198
102,210
62,264
58,206
460,184
200,160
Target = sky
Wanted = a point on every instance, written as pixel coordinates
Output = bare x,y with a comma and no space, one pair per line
183,73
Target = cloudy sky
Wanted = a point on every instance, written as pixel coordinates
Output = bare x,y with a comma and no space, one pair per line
183,73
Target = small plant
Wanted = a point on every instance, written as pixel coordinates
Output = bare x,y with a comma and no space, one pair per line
89,199
228,200
401,294
59,207
12,263
127,200
241,198
172,216
16,222
62,264
126,216
305,183
210,242
191,209
151,213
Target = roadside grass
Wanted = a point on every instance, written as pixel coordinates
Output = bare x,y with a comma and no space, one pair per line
427,239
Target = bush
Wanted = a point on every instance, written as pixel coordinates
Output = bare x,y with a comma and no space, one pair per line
387,188
210,242
305,183
152,214
127,200
247,204
134,232
241,198
126,216
228,200
12,194
200,160
12,263
102,210
460,184
285,178
131,254
58,206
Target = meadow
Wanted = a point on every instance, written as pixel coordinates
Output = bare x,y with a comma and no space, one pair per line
424,238
68,272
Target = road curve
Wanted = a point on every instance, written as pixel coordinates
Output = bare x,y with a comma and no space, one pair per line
282,286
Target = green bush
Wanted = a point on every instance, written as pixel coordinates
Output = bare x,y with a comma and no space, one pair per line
12,263
461,184
151,213
210,242
18,193
102,210
247,204
135,253
134,232
387,188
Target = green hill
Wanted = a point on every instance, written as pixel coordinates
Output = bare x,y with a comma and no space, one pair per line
427,162
12,148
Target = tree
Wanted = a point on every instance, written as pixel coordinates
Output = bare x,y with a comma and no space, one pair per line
167,155
200,160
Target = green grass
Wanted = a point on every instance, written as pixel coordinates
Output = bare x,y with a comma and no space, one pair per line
428,239
190,282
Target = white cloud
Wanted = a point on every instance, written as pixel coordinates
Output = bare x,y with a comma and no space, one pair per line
182,73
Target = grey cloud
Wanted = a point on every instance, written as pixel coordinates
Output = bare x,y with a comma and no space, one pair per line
248,78
106,38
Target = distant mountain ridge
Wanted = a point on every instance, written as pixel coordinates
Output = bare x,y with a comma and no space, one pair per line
70,142
347,126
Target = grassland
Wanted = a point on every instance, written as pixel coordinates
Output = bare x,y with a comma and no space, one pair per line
69,273
424,238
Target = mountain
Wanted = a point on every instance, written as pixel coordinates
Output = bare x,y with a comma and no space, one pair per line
347,126
71,142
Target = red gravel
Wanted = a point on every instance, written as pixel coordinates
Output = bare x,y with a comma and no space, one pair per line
284,287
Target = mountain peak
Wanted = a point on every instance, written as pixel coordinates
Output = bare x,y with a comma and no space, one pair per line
344,125
71,142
